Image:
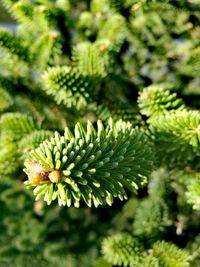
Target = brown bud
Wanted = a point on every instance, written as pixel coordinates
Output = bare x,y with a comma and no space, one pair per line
35,178
54,176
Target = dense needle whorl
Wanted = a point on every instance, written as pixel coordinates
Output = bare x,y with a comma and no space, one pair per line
93,165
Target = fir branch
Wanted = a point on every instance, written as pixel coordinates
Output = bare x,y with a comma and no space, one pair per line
122,250
68,86
170,255
152,217
113,30
93,165
176,136
13,44
16,125
22,11
154,100
90,59
47,50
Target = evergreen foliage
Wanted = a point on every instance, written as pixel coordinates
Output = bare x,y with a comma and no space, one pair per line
100,134
68,86
154,100
178,131
90,164
13,44
122,250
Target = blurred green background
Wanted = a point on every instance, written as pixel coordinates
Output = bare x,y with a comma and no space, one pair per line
4,16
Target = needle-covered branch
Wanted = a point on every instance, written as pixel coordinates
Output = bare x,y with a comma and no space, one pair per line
89,164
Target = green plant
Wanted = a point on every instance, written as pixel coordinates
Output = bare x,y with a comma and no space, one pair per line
99,102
